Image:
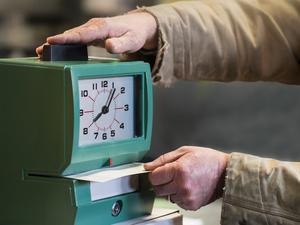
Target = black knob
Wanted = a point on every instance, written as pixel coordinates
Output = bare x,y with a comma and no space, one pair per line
71,52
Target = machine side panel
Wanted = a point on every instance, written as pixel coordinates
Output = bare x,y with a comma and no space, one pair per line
32,119
32,130
38,201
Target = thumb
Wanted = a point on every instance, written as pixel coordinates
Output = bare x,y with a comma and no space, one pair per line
127,43
164,159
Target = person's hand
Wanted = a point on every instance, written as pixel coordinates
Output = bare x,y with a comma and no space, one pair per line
191,176
121,34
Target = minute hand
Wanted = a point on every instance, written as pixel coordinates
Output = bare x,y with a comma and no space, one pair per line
111,97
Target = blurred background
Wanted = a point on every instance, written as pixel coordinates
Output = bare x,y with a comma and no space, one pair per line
257,118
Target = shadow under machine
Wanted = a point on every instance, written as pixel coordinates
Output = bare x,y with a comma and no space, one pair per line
60,118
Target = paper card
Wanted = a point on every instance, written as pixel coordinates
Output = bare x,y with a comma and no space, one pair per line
108,174
120,186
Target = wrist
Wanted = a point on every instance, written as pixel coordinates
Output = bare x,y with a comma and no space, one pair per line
222,181
151,40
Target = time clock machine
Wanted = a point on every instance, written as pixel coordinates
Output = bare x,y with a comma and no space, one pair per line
60,118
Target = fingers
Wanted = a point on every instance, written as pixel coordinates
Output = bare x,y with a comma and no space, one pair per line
163,175
191,176
84,35
39,50
94,29
121,34
174,197
115,37
166,189
124,44
166,158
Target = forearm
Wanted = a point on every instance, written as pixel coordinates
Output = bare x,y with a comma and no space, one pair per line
228,40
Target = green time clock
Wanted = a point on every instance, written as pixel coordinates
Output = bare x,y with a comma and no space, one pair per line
66,117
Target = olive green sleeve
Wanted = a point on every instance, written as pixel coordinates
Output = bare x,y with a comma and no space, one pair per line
261,191
257,40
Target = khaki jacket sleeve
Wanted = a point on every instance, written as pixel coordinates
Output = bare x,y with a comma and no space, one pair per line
228,40
261,191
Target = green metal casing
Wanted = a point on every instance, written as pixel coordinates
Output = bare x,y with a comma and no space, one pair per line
39,120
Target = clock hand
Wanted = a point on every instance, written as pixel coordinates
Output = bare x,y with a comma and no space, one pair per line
112,95
109,97
105,108
98,116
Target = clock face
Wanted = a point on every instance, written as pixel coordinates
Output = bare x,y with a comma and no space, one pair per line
106,109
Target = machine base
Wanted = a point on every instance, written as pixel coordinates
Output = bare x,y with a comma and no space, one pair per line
159,216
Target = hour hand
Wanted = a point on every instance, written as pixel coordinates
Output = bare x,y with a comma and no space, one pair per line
97,117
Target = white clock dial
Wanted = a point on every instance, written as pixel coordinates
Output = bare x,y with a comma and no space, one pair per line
106,109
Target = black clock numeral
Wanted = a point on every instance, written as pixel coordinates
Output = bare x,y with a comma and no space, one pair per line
122,90
113,84
95,86
96,135
84,93
104,136
81,112
122,126
85,131
104,83
126,107
112,133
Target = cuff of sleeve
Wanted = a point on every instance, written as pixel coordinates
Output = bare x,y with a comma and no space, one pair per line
163,67
242,178
242,186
